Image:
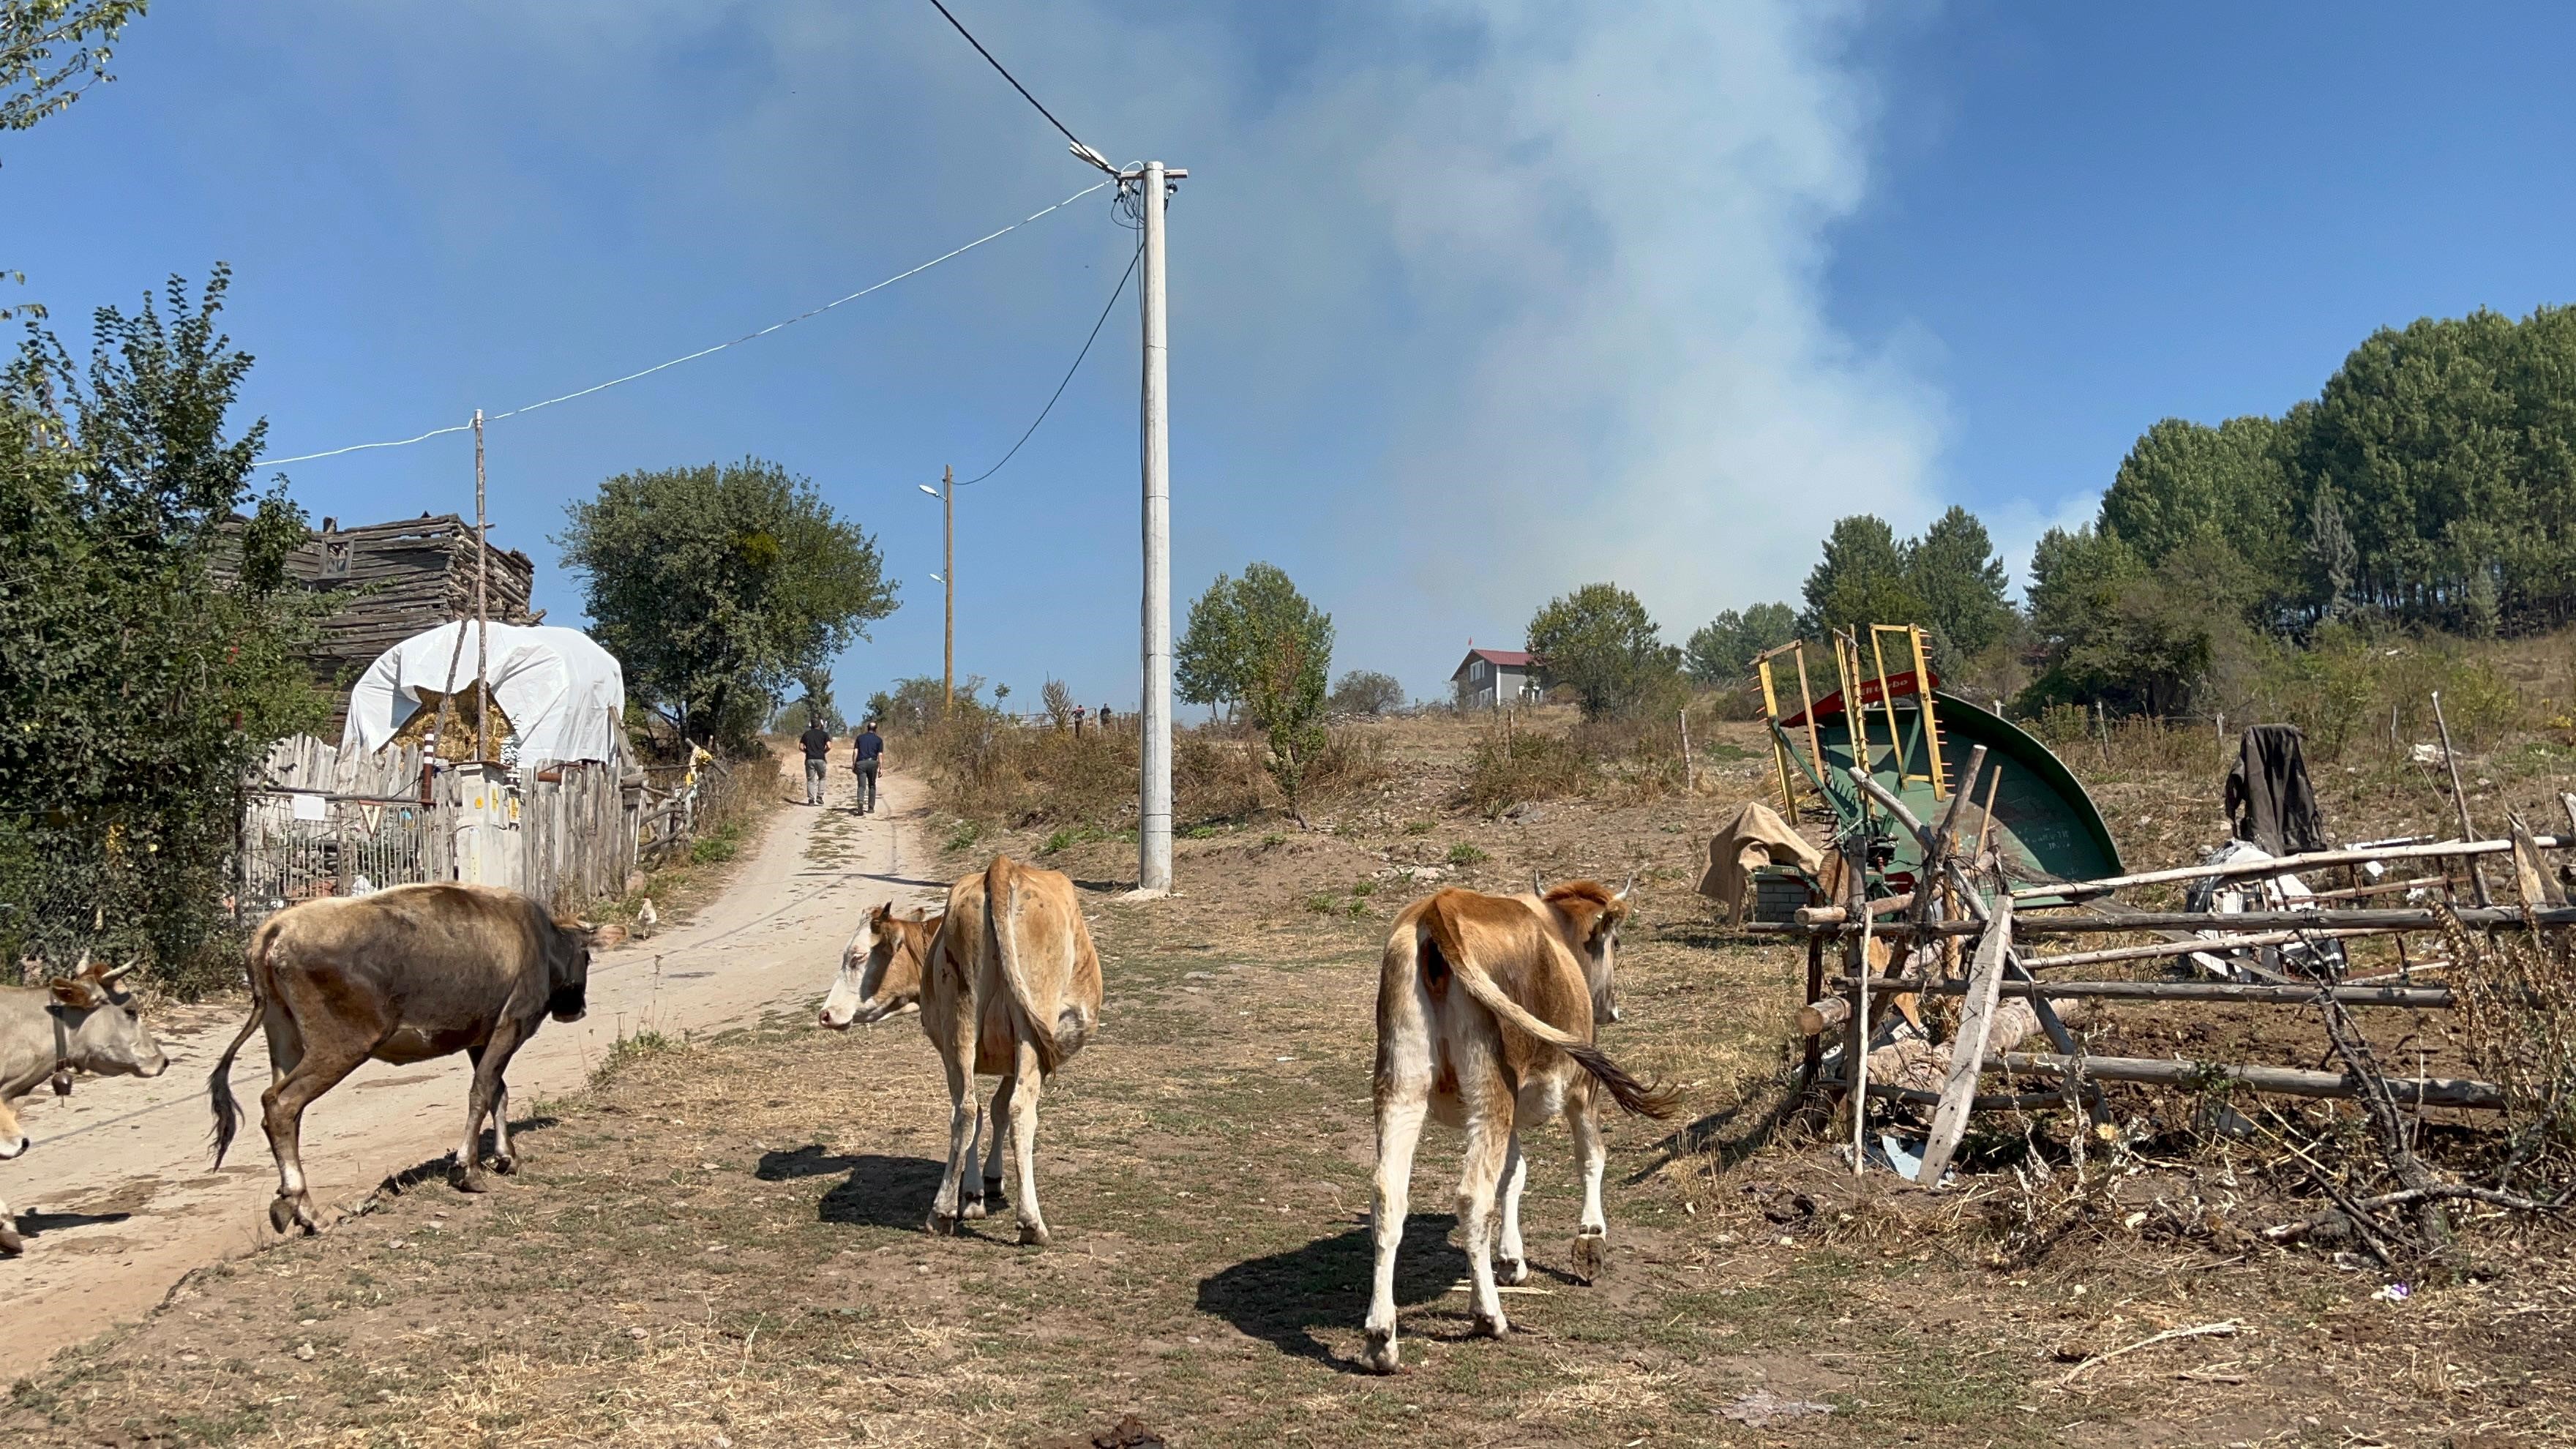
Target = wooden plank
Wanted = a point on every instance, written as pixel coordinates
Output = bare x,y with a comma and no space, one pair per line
2281,865
2287,1081
1950,1119
2422,997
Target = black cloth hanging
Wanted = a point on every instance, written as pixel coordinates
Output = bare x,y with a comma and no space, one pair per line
2269,799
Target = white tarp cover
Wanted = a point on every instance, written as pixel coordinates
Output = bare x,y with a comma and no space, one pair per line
564,694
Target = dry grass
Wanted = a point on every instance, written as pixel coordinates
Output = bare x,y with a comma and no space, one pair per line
1205,1164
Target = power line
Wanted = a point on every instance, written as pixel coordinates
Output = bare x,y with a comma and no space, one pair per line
693,356
1079,149
1114,295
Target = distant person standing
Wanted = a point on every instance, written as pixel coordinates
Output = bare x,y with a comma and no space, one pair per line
871,755
818,743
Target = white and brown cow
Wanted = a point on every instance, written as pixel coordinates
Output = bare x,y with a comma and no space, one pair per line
87,1022
1485,1013
1009,987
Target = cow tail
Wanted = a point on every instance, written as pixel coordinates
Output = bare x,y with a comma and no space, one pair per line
1002,918
219,1085
1632,1095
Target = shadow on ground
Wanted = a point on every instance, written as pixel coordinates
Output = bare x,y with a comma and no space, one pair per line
36,1224
1285,1297
879,1191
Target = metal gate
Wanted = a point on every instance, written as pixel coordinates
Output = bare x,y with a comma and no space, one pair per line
300,845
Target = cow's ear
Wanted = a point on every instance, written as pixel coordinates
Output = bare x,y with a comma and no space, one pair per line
78,991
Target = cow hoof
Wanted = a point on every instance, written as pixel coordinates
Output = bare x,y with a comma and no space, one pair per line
504,1163
469,1179
1033,1235
1381,1354
11,1245
993,1193
941,1225
1495,1327
1591,1256
282,1214
1514,1271
971,1209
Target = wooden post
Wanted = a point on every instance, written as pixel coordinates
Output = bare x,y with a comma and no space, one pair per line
1968,1048
1856,1041
1690,770
1807,702
2460,798
2102,728
482,607
1815,1056
1923,712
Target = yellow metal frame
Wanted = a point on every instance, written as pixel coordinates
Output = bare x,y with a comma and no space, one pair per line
1850,674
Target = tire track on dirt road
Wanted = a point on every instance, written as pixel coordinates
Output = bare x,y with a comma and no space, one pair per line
116,1196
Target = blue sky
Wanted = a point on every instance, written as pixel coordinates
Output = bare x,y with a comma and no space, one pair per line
1471,304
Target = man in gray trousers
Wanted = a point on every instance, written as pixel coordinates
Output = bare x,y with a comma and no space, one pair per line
871,753
818,743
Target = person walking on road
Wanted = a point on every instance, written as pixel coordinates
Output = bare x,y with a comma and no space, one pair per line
870,756
818,743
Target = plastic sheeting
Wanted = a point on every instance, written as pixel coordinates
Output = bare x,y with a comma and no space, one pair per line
565,695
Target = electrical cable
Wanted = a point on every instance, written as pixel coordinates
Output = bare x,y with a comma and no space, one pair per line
693,356
1079,149
1115,293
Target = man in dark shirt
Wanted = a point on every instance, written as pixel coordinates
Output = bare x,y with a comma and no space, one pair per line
818,743
871,755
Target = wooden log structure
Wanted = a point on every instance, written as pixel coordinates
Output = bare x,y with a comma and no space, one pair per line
2498,918
2288,1081
2282,865
2422,997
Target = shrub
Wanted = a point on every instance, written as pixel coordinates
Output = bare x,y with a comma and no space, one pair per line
1508,768
1365,691
1463,854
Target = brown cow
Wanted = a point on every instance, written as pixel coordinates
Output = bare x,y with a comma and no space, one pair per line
1485,1013
402,976
1011,989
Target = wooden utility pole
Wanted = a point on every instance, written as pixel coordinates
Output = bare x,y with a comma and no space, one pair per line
948,580
482,606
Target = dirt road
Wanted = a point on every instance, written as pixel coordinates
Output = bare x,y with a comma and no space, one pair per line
116,1198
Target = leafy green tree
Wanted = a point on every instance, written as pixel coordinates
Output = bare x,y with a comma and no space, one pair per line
718,587
814,706
1965,592
151,647
1599,642
1258,643
1861,580
1366,691
1721,651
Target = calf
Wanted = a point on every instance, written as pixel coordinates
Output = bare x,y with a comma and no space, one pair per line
1485,1013
1009,987
87,1022
402,976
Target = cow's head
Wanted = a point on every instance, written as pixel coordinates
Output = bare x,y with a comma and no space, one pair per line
98,1024
881,968
1589,913
568,970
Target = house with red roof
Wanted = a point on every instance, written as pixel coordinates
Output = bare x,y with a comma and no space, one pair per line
1492,678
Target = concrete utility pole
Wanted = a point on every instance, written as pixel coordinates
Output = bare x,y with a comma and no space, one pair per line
482,606
1154,804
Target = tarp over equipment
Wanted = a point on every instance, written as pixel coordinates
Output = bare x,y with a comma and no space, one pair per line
564,695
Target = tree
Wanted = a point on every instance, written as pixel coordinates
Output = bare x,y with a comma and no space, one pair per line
1963,587
1861,579
1235,628
717,587
1721,651
1057,699
50,52
151,645
1365,691
1256,642
1599,642
815,706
